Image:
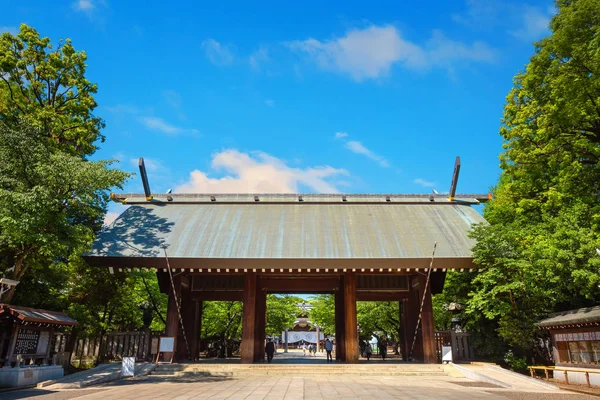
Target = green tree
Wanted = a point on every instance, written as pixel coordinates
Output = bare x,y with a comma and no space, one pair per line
380,319
322,312
48,88
538,251
51,203
222,319
282,311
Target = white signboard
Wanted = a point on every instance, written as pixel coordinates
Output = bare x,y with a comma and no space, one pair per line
128,366
42,346
167,344
446,354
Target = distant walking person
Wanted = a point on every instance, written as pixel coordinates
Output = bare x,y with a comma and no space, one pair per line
270,350
368,351
328,349
304,349
382,349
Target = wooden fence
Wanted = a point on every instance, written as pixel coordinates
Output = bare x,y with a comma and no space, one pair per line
460,342
88,352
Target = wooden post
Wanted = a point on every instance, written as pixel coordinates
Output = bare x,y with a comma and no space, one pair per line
413,303
351,326
318,339
249,319
47,360
13,343
197,328
172,326
587,379
531,372
261,323
404,330
188,315
566,377
340,328
427,326
547,376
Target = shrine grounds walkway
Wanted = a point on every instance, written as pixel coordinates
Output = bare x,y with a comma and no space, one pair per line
300,387
295,377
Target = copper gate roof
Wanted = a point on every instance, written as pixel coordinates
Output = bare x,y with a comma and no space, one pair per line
270,228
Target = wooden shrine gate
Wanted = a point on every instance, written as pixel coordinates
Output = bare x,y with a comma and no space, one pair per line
242,247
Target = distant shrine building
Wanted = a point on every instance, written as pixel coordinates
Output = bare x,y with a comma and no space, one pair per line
303,331
241,247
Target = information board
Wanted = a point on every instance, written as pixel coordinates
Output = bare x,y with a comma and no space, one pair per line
154,346
167,344
42,346
27,341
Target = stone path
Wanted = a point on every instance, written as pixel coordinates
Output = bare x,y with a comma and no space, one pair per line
294,388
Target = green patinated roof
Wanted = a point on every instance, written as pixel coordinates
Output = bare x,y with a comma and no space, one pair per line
572,317
395,229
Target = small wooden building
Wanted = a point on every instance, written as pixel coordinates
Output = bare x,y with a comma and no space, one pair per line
26,342
576,342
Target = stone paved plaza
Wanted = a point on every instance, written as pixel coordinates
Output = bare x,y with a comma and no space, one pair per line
289,387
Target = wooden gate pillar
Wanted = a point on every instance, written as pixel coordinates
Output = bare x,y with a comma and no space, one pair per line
196,329
413,303
247,349
427,326
404,330
340,328
172,325
261,323
188,311
351,326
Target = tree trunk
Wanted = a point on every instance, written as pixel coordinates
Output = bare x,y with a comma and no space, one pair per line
17,274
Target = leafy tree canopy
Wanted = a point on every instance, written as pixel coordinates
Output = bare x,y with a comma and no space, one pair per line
48,88
538,251
51,203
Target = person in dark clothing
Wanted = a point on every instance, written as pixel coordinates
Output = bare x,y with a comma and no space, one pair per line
270,350
383,349
328,349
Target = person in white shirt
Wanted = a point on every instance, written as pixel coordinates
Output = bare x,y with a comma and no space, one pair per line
304,349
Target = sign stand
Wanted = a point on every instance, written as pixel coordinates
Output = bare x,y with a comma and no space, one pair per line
166,345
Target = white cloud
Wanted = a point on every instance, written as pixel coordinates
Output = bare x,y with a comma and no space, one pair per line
424,183
160,125
534,23
217,53
258,58
259,172
520,20
83,5
270,103
445,52
370,53
358,148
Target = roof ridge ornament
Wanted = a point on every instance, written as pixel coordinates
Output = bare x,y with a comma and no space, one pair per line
454,179
144,177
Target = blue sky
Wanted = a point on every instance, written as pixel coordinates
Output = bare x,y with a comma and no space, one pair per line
342,97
